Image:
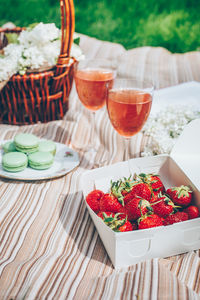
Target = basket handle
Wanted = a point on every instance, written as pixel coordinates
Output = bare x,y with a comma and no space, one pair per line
67,29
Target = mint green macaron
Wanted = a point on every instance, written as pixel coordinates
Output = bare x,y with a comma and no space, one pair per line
9,147
40,160
14,161
47,146
26,142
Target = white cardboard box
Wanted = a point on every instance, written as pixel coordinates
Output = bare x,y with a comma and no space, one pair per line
182,166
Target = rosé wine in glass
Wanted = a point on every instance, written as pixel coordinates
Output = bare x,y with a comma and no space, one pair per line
128,104
93,79
91,85
128,110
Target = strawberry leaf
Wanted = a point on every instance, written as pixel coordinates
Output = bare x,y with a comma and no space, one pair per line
149,208
121,185
155,189
108,220
142,175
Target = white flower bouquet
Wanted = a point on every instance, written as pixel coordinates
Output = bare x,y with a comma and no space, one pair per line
34,49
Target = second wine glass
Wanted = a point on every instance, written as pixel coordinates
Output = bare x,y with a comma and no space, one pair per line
93,78
129,104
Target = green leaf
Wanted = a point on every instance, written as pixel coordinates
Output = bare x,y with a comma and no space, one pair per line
149,208
156,189
12,38
31,26
77,41
127,184
154,181
108,220
142,175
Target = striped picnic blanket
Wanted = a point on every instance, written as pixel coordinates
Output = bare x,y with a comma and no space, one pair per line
49,247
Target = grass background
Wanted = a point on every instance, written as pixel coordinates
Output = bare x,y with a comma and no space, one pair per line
173,24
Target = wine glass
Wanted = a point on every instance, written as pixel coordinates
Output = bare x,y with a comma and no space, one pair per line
92,79
128,105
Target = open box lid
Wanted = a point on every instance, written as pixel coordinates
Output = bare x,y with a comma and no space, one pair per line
186,152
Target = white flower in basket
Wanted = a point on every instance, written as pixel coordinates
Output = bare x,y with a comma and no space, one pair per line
35,49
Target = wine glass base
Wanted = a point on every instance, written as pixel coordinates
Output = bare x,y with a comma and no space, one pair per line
94,155
99,159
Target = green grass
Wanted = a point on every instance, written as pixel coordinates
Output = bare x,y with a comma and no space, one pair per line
173,24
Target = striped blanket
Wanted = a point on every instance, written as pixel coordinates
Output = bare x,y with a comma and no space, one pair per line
49,247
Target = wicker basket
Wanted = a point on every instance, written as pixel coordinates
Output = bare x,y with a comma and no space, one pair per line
41,96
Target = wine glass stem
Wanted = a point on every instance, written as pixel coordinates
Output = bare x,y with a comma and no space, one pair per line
126,149
126,153
92,134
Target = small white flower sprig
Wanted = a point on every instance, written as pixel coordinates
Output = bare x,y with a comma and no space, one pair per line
35,47
164,127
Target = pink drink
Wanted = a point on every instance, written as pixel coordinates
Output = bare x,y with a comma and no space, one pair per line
128,110
91,86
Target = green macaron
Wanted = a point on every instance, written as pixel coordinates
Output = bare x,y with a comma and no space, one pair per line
47,146
9,147
40,160
14,161
26,142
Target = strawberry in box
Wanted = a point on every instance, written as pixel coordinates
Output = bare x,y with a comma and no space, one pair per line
93,200
140,189
180,195
115,221
163,206
135,208
192,211
179,216
153,180
149,221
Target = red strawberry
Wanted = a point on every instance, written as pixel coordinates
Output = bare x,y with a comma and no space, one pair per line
180,195
154,197
126,227
93,199
115,221
135,208
179,216
163,206
121,188
110,203
150,221
129,196
192,211
124,212
140,189
154,181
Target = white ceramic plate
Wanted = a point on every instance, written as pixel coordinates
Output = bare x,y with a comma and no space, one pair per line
65,161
